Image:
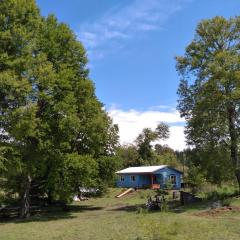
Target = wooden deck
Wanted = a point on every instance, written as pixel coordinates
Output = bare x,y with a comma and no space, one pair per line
155,186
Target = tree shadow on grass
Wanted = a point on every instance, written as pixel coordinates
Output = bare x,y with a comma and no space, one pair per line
173,207
83,208
50,214
127,208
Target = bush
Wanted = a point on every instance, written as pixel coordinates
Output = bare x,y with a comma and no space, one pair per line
226,202
222,193
195,179
162,192
164,206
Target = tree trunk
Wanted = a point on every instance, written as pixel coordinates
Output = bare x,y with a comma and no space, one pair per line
237,174
25,198
49,197
64,206
234,143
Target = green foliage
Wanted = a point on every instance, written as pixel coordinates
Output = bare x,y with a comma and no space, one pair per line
76,170
221,193
162,192
195,179
164,155
128,156
168,184
107,166
159,155
164,206
162,131
143,143
210,87
53,127
145,139
226,202
213,161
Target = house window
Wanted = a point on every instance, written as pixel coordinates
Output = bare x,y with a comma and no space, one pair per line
173,179
122,178
133,178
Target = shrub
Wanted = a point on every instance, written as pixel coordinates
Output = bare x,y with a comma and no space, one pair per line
222,193
164,206
195,179
226,202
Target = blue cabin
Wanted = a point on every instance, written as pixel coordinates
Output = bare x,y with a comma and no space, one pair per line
155,177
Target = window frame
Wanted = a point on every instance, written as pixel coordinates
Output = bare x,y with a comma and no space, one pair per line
173,179
133,178
121,178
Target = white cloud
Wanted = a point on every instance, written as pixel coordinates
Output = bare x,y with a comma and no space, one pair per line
132,122
126,22
177,138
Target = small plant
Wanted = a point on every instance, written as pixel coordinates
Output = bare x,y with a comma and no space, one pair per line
162,192
169,185
164,206
141,210
226,202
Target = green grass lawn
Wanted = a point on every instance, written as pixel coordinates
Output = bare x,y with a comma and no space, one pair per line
112,218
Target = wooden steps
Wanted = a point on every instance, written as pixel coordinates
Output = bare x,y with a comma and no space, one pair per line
129,190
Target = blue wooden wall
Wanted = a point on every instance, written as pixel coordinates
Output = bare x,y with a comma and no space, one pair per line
163,176
142,181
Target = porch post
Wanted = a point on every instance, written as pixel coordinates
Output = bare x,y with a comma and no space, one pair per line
152,179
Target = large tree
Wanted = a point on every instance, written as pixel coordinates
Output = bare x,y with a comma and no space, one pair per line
52,125
209,92
145,140
165,155
128,155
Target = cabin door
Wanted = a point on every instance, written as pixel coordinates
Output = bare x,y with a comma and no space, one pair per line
154,182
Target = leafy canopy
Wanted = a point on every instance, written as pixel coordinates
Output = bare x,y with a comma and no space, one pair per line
53,127
209,92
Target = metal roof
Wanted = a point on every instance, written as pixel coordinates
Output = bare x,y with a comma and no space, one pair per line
143,169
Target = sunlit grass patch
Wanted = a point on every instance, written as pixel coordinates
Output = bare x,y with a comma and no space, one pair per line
109,217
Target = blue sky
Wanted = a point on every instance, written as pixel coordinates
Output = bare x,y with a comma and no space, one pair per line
131,46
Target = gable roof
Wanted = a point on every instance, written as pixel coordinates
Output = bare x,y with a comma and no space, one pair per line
143,169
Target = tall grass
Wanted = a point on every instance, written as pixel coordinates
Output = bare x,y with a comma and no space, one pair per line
213,192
